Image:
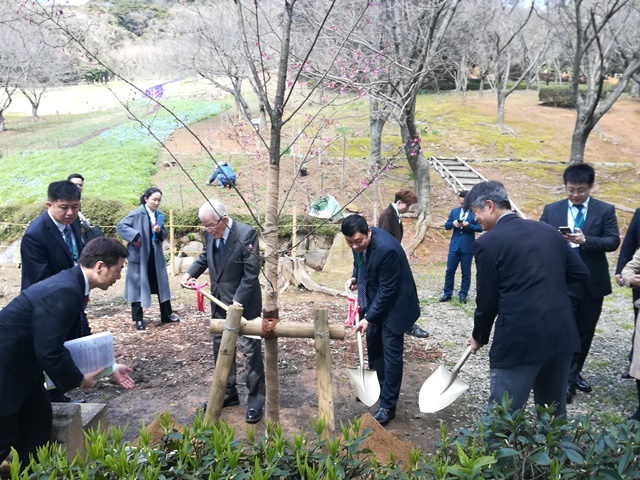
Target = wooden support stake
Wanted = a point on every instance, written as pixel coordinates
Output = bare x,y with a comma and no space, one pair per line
226,354
289,330
172,244
272,413
323,369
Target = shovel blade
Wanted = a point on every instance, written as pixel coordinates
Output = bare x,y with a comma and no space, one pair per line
435,395
366,385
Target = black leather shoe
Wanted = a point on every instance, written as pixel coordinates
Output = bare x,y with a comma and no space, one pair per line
173,318
253,415
140,325
385,415
583,385
571,391
59,398
463,299
231,401
626,375
445,298
416,331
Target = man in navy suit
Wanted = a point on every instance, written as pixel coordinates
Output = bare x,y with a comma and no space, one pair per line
53,241
592,231
523,268
232,256
629,246
33,329
388,304
460,249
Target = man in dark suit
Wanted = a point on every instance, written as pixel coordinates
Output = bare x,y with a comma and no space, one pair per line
523,268
592,231
53,241
628,249
390,222
388,304
33,329
464,227
231,255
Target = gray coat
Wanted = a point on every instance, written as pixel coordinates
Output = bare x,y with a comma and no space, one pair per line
137,287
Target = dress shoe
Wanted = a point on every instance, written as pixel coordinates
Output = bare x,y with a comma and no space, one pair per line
583,385
445,298
140,325
385,415
253,415
626,375
231,401
463,299
416,331
173,318
571,391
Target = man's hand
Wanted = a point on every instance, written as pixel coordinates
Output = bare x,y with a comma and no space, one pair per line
136,243
475,346
619,280
577,237
122,378
352,284
361,326
188,280
457,224
90,379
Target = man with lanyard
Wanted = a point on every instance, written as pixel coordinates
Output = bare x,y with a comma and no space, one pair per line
464,227
591,228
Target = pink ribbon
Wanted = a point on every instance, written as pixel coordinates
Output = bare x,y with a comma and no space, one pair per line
353,310
200,296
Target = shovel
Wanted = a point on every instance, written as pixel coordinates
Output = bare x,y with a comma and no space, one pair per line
442,388
364,382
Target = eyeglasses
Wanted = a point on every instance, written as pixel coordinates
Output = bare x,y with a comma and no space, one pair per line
209,229
579,191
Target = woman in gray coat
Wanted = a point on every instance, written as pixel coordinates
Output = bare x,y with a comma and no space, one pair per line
631,278
144,231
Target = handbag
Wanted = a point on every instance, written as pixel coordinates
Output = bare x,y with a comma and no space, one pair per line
90,233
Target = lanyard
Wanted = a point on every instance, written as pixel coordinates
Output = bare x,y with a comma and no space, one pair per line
581,222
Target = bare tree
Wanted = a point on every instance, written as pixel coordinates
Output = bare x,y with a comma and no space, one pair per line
11,64
595,46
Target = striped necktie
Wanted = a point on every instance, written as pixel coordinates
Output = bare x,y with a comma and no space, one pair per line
362,283
66,233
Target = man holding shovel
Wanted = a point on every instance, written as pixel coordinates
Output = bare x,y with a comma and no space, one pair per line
387,301
231,256
523,268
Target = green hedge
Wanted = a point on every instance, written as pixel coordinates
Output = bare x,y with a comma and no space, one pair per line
562,95
107,214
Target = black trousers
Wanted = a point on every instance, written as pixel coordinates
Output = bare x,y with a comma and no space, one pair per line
253,370
29,427
586,311
385,350
152,276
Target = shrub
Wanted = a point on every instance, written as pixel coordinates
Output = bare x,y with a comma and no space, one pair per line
14,219
562,95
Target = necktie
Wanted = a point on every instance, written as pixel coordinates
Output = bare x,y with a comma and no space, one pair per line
577,223
66,232
219,249
362,284
83,325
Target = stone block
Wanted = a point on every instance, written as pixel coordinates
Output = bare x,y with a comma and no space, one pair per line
70,420
340,258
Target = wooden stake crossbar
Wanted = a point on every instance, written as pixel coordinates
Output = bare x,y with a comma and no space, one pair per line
235,325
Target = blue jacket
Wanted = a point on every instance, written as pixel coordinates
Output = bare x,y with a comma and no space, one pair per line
462,238
226,170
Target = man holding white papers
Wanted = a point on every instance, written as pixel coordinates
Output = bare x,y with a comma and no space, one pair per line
33,329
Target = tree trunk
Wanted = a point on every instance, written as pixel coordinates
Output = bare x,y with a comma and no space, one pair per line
2,127
377,120
579,141
501,101
420,168
635,89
